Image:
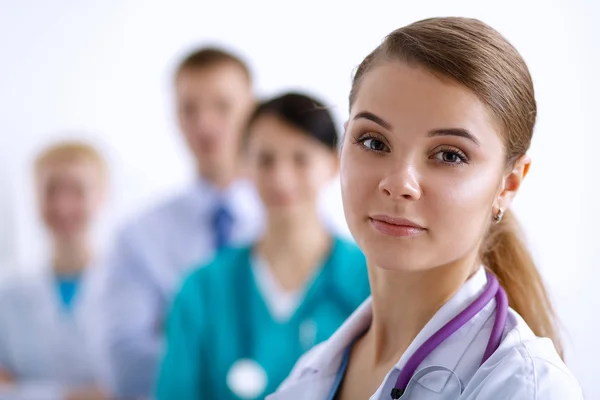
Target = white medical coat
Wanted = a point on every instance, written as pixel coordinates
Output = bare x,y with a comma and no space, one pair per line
524,367
41,343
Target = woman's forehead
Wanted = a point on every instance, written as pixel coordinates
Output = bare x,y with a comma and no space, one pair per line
80,171
411,97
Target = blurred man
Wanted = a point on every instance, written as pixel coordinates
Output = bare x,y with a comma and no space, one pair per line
43,351
214,98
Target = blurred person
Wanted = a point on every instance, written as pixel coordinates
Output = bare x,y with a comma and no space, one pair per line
239,324
43,351
441,118
213,91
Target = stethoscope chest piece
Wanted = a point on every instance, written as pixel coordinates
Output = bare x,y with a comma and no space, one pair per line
247,379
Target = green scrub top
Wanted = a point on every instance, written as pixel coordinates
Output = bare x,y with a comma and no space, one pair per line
222,341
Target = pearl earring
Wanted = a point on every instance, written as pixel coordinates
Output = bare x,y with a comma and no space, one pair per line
499,215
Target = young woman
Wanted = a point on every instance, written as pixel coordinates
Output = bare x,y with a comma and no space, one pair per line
44,353
441,117
239,324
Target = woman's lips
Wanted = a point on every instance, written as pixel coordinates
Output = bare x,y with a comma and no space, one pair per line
396,226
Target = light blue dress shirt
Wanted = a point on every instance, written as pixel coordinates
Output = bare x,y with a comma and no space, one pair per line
133,289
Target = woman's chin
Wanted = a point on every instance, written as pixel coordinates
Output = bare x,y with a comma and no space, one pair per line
399,266
398,259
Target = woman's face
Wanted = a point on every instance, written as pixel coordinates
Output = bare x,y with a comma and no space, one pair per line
422,169
288,167
70,195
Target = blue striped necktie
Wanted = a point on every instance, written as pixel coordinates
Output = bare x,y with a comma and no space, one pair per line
222,223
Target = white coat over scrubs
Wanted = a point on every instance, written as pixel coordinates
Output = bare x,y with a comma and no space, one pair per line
523,368
41,343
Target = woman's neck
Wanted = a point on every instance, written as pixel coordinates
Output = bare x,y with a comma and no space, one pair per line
404,302
294,248
71,258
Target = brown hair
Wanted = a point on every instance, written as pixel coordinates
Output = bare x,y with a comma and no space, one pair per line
71,151
208,57
478,57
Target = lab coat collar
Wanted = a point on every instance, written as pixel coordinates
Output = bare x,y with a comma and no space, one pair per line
326,359
45,283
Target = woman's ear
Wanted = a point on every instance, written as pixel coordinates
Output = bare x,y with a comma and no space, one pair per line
512,182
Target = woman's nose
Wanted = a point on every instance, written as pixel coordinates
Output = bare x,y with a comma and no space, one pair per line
401,182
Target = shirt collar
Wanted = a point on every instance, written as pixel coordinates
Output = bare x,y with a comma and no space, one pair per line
326,359
204,197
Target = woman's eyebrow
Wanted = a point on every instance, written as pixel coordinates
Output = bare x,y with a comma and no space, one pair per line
372,117
454,132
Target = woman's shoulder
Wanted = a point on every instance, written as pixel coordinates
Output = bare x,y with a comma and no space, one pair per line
524,367
530,371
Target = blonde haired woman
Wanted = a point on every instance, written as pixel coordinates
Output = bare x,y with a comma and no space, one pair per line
43,351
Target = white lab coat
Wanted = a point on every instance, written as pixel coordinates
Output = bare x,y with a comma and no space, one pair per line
523,368
41,343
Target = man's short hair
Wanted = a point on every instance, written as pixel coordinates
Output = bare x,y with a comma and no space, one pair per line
207,57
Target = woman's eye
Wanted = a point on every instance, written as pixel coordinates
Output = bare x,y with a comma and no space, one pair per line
374,144
451,157
300,159
266,160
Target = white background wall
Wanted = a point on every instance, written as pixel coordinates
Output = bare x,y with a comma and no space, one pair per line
104,68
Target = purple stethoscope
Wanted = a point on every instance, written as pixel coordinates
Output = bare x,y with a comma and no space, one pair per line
492,290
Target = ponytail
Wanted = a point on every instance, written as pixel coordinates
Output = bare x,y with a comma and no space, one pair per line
506,255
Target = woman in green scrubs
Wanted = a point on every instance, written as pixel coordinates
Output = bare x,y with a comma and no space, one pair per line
239,324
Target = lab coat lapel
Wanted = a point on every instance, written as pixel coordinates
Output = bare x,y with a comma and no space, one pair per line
48,293
435,378
83,300
316,386
448,354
